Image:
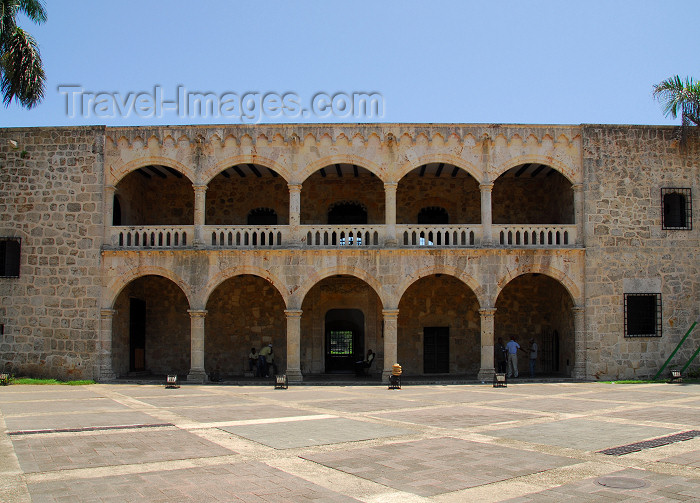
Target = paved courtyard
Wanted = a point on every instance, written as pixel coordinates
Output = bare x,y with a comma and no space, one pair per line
528,442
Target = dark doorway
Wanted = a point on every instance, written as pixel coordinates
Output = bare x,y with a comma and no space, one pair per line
116,212
347,213
436,350
433,215
137,335
345,335
262,216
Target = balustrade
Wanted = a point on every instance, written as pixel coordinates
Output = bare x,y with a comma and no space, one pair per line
438,235
535,235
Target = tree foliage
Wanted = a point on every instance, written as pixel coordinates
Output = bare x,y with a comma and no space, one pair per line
21,71
680,97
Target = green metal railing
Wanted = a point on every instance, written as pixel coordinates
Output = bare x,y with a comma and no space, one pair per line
676,350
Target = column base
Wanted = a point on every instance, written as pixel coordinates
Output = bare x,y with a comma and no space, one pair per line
579,372
197,376
294,375
107,376
486,375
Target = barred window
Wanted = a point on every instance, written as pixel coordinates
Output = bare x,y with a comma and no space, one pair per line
677,209
642,315
9,257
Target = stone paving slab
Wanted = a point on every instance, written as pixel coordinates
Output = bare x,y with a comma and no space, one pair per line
584,434
688,459
364,405
32,393
289,435
77,420
146,390
663,414
238,413
438,465
557,405
44,452
251,482
44,406
208,400
656,488
456,416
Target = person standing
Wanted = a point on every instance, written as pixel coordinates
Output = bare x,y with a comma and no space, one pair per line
500,356
533,357
252,359
262,361
512,349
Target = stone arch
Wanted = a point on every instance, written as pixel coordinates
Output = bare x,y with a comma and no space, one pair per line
454,160
572,174
208,175
362,162
297,297
115,287
115,175
232,272
569,285
468,280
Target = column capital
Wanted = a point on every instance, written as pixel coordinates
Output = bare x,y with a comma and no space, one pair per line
107,313
294,187
390,313
578,310
197,313
577,187
391,185
293,313
486,187
487,311
110,188
199,188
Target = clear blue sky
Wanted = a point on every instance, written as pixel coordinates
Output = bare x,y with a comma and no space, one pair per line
540,61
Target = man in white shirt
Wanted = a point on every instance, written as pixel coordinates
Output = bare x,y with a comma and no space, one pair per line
533,356
512,349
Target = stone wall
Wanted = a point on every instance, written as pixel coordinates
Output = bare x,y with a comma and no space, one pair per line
229,200
625,169
142,203
527,200
51,197
319,193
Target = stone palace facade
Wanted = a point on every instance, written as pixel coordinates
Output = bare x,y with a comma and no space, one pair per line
158,250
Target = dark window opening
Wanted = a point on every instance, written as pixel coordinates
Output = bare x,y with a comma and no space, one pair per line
436,350
116,212
643,315
262,216
677,209
9,257
433,215
347,213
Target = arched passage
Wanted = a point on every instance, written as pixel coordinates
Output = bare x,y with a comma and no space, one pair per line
532,193
243,312
439,327
537,306
341,320
151,328
242,191
438,187
155,195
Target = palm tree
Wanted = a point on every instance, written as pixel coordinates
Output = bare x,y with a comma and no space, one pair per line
680,97
21,71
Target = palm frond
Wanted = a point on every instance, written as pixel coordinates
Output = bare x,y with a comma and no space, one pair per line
23,75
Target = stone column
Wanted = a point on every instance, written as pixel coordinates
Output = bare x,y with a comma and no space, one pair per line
106,371
108,211
293,345
197,373
486,214
579,371
391,317
390,213
487,369
294,213
578,211
200,205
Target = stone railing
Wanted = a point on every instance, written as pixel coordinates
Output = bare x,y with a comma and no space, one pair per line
153,236
244,236
342,235
438,235
534,235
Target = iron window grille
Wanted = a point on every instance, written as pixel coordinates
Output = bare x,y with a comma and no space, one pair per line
642,315
9,256
676,209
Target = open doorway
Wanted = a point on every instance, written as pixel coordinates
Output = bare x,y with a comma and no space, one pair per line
345,335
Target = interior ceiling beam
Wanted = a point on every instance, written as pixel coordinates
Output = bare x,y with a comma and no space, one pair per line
550,172
339,170
157,172
422,170
273,173
239,171
143,173
439,170
522,170
225,173
172,171
254,170
455,171
323,172
355,170
537,170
